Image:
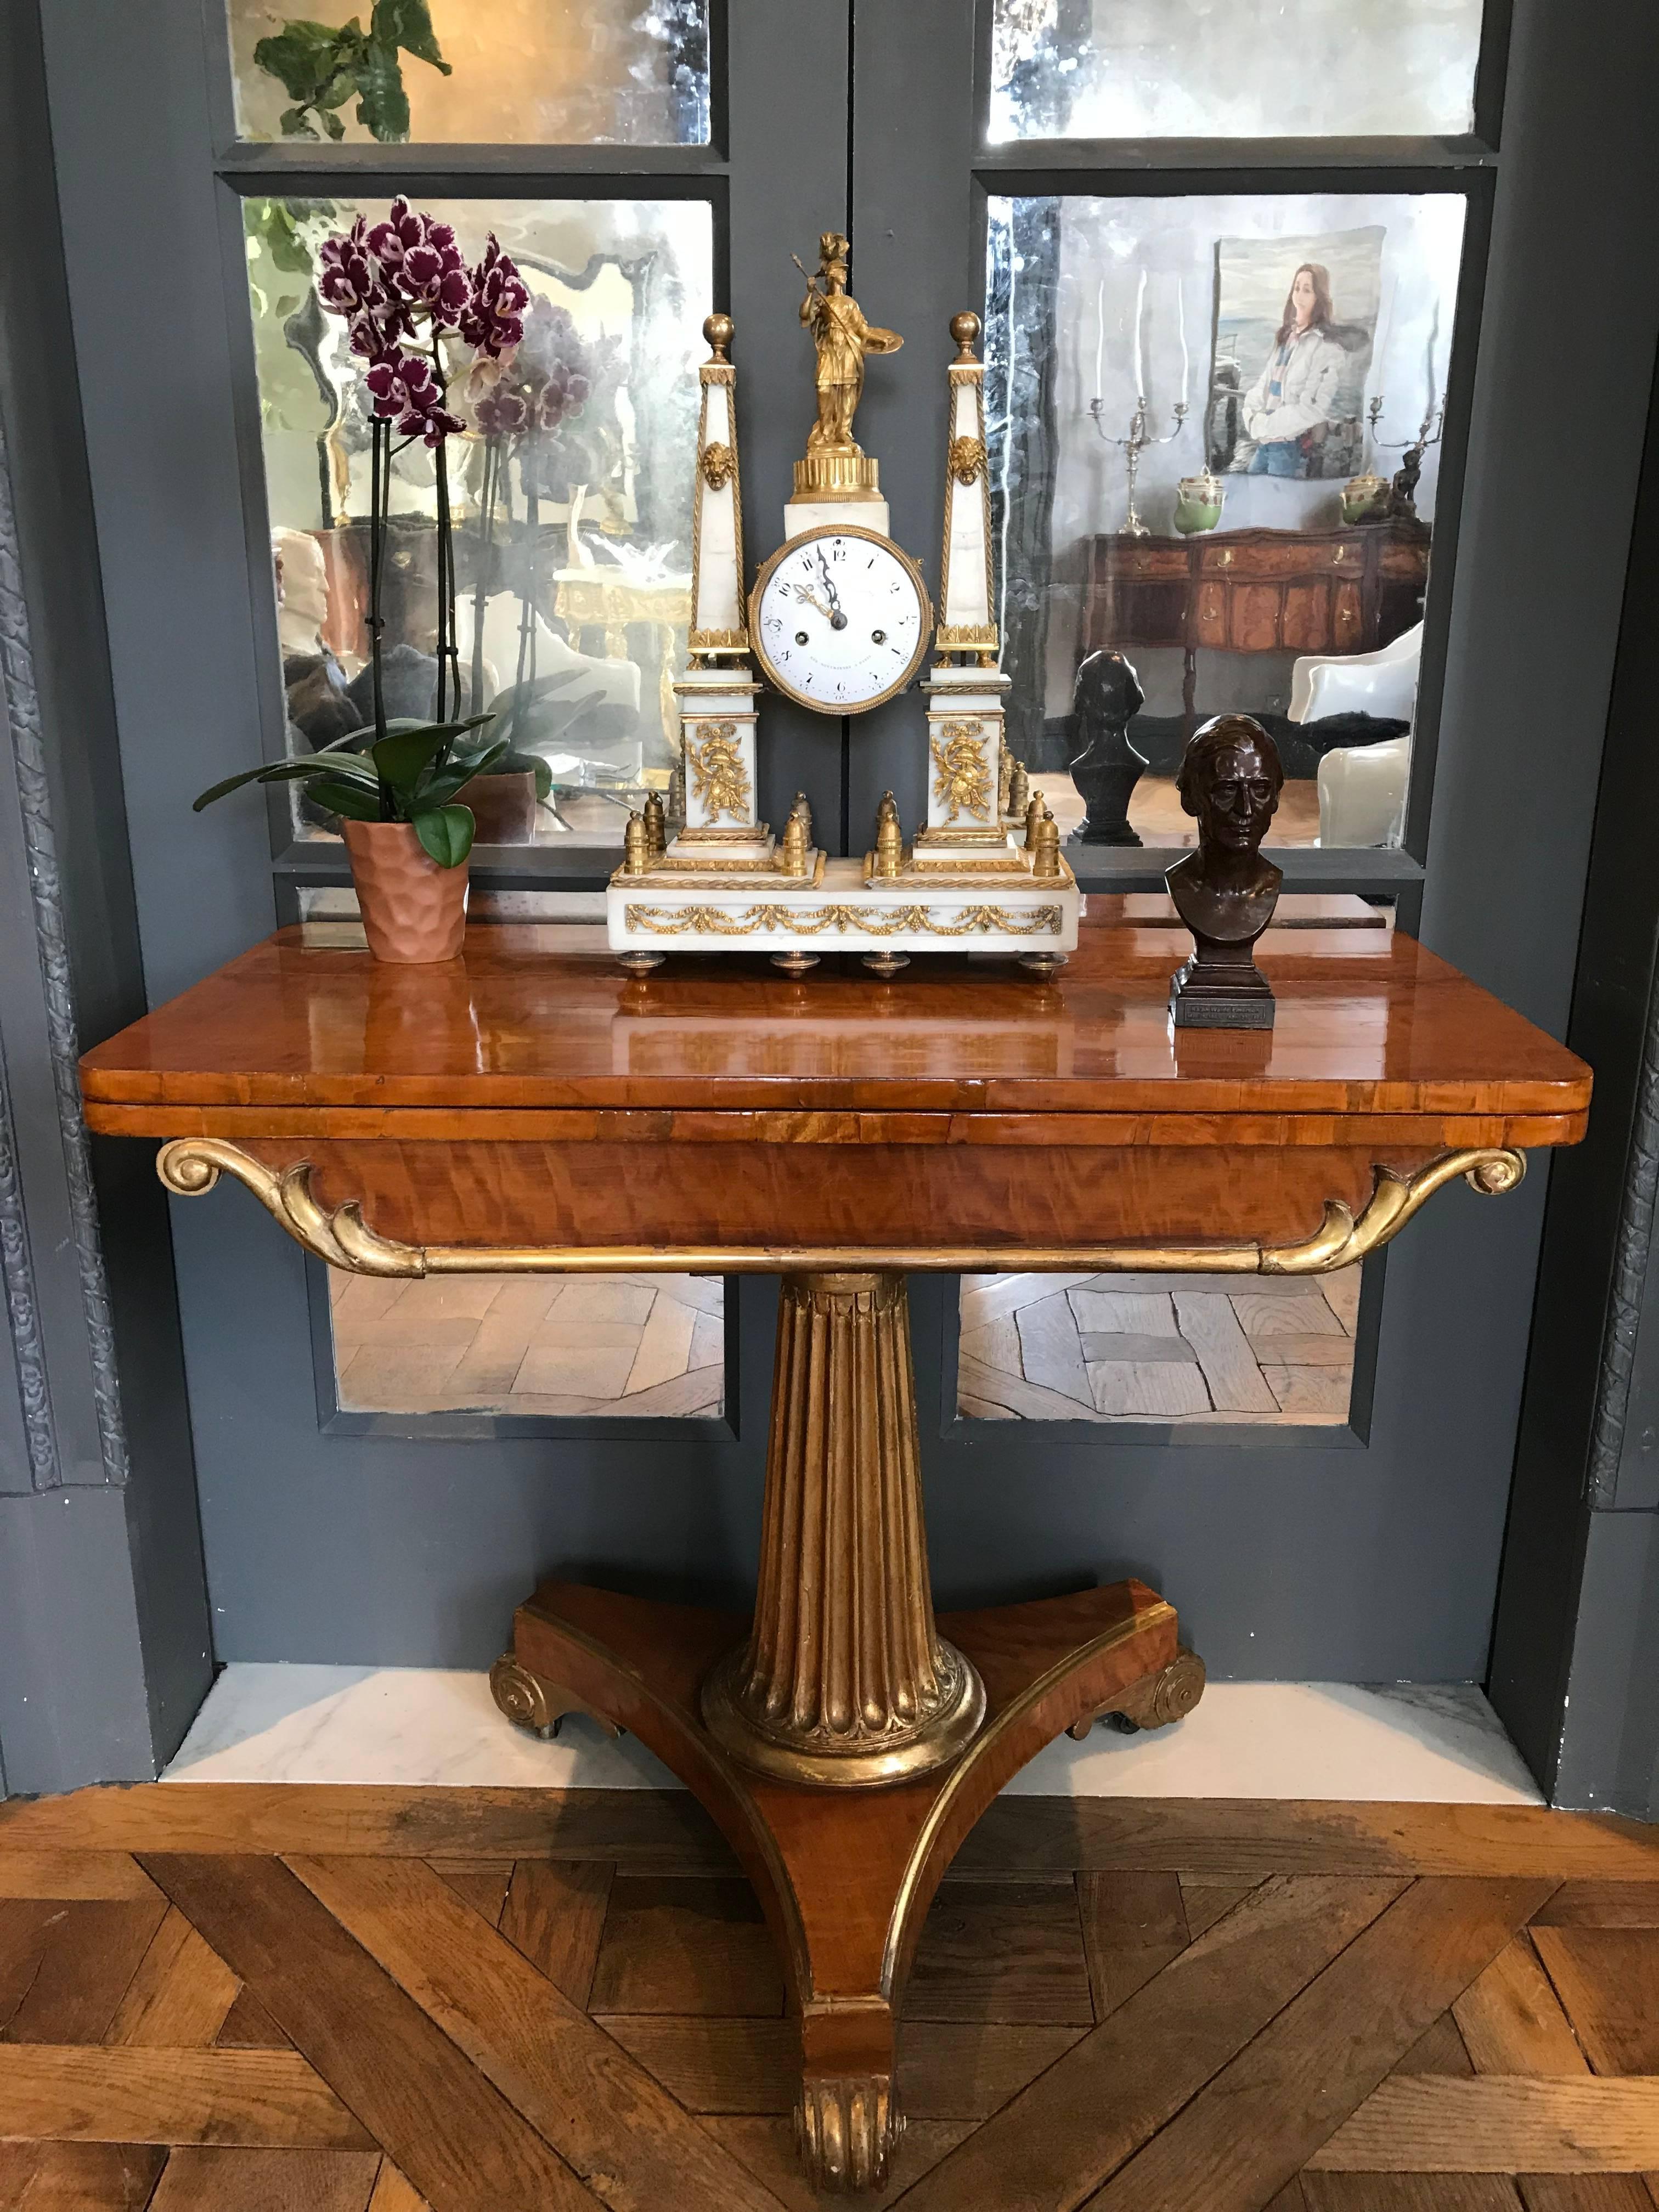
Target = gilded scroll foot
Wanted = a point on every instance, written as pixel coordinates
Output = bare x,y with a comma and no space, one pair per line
539,1706
1156,1701
846,2129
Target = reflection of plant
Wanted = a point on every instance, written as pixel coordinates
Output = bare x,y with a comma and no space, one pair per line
525,404
320,67
412,774
276,224
399,284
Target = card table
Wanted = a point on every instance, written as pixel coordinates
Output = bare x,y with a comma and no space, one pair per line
529,1109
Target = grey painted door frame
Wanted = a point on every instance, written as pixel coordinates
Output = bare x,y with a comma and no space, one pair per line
104,1643
1284,1562
1575,1668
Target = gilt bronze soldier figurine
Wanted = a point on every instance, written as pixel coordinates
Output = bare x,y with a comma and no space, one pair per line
1225,892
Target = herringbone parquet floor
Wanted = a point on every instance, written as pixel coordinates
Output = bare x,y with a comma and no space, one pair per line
283,1999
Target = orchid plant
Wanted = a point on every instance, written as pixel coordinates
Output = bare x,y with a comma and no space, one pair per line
410,304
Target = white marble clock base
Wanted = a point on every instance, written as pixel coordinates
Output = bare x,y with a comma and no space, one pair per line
842,913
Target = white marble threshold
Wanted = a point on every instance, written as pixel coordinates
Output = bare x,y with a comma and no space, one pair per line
1426,1743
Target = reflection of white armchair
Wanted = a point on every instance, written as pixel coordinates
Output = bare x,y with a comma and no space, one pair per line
1362,788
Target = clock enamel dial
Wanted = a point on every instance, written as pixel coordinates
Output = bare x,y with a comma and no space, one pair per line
839,619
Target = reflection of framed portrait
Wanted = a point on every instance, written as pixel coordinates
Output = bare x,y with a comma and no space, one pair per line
1295,323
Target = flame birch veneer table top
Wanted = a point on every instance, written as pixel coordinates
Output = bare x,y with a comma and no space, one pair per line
536,1018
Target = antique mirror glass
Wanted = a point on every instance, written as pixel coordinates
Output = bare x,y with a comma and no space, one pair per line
552,1346
1292,351
488,72
572,534
1170,1350
1188,69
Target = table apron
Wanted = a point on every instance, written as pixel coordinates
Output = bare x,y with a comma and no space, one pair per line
781,1205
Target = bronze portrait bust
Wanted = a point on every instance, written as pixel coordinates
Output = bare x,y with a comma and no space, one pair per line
1225,892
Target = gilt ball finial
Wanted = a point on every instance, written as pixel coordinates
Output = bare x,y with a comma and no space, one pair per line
718,329
965,328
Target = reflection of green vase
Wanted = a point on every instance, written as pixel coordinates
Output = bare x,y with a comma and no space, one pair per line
1365,499
1198,503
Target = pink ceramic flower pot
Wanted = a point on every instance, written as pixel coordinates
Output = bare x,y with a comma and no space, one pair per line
414,912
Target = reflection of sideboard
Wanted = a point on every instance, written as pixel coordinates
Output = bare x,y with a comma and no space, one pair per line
1256,591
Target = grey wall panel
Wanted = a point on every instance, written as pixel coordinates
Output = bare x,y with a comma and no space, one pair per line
1607,1750
142,253
103,1646
326,1546
1541,559
73,1704
1585,1465
1363,1563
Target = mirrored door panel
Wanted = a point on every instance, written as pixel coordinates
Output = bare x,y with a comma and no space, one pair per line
1215,422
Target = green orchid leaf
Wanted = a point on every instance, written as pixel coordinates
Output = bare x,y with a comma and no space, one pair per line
457,773
401,758
408,24
361,801
446,833
281,772
382,104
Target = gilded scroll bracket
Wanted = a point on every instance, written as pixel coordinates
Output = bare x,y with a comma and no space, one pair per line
189,1166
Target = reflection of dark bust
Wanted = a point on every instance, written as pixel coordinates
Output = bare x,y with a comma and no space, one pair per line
1225,892
1106,767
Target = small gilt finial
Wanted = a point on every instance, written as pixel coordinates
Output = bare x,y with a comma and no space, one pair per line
889,839
1033,816
1045,854
803,809
656,824
1019,789
1004,779
965,328
795,844
718,329
636,847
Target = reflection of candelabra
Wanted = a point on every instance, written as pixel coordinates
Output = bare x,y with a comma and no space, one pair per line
1132,446
1402,496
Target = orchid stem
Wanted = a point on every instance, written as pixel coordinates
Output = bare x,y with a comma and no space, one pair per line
377,523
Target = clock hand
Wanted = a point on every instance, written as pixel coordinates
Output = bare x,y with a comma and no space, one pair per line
838,620
813,600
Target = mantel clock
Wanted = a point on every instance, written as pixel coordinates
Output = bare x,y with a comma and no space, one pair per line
840,620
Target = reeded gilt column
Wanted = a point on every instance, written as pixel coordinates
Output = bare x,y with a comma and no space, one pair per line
845,1681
